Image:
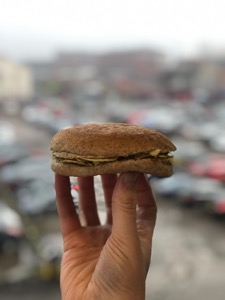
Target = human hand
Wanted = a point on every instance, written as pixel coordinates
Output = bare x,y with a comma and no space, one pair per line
107,261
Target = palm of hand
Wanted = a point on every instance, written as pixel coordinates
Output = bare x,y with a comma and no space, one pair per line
95,251
82,252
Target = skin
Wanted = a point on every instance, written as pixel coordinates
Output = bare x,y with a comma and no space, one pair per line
108,261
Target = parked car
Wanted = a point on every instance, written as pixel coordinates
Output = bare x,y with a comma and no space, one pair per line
188,189
216,206
26,170
187,151
36,197
212,166
207,130
7,133
178,185
12,153
11,228
204,189
163,119
217,143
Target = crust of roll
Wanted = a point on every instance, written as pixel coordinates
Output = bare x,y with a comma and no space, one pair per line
109,140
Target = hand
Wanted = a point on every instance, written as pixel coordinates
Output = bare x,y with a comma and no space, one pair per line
110,261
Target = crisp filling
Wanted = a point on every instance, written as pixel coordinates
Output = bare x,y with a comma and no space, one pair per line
94,161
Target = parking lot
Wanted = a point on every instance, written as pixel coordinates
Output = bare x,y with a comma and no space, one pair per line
188,259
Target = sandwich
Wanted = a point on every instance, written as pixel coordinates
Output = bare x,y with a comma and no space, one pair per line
103,148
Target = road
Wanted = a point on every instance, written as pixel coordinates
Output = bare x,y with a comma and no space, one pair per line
188,260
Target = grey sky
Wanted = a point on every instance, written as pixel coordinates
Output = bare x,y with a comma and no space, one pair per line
33,29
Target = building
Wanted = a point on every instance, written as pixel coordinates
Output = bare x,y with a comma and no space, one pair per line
16,83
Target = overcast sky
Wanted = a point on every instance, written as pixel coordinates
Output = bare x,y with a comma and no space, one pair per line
38,29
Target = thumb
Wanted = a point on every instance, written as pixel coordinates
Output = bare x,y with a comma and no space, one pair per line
124,207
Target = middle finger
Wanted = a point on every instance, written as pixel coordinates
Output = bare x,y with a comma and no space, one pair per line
87,202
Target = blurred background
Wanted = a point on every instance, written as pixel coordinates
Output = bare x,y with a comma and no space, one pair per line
157,64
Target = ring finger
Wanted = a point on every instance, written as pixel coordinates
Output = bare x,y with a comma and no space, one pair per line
108,184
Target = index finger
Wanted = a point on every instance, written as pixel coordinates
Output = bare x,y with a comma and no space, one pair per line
68,217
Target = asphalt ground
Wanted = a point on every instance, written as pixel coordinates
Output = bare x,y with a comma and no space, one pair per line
188,260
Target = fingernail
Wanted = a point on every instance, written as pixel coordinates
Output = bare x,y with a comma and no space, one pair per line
130,179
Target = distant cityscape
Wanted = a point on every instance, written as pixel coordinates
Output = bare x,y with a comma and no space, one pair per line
131,75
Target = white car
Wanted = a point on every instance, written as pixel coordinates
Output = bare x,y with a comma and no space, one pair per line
7,133
11,228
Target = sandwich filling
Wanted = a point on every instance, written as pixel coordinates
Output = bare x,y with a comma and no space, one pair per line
71,158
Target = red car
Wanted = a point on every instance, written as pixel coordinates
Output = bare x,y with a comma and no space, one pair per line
212,166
